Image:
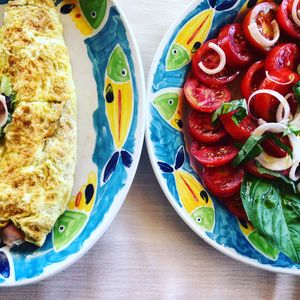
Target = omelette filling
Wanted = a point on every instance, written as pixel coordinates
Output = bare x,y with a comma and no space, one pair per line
38,134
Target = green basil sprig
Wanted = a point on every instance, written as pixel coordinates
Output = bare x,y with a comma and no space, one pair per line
239,105
274,210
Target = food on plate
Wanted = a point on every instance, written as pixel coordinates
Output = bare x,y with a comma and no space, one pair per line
37,120
248,146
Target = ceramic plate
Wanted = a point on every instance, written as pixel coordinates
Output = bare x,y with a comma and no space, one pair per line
167,144
98,38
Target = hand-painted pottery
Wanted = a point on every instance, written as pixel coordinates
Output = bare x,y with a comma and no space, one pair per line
167,144
110,87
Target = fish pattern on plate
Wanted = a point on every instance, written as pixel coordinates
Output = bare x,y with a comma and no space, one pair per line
202,21
99,28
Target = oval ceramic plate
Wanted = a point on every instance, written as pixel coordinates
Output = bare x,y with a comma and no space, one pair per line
110,137
167,144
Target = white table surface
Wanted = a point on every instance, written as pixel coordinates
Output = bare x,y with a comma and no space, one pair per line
148,252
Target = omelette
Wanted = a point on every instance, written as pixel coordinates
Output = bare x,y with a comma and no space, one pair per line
38,140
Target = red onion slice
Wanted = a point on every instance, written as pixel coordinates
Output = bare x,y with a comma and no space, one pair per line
279,97
3,111
295,12
222,62
260,39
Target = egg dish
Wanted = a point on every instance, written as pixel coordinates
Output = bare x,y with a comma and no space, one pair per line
38,118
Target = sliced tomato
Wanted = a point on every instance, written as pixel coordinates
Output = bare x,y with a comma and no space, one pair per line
273,149
202,129
240,132
283,56
204,98
232,40
293,103
211,60
265,105
224,181
253,79
235,206
285,20
252,168
261,16
213,156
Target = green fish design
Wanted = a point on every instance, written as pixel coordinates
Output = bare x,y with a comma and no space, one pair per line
204,216
117,68
94,11
177,58
166,104
67,227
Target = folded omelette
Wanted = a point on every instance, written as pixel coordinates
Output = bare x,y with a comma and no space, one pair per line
38,146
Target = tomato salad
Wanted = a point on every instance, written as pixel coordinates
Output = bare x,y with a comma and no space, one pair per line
249,147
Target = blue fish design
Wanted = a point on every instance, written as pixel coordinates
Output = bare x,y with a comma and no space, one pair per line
117,95
192,195
4,265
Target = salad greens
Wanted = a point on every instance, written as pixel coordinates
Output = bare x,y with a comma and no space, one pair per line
274,210
278,175
291,128
279,143
7,91
239,105
296,89
250,150
5,86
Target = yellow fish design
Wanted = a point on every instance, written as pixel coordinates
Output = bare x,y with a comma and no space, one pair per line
168,103
192,195
69,225
189,39
72,8
119,104
257,241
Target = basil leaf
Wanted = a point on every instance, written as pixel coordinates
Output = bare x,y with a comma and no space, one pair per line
250,150
228,107
278,175
2,134
296,89
291,129
239,116
5,86
274,214
280,144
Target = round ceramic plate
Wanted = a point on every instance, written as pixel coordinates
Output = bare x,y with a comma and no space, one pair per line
110,137
167,142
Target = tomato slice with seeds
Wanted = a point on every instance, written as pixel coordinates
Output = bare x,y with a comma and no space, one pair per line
202,129
283,56
235,206
213,156
285,20
265,105
224,181
204,98
261,15
240,132
232,40
253,79
211,60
